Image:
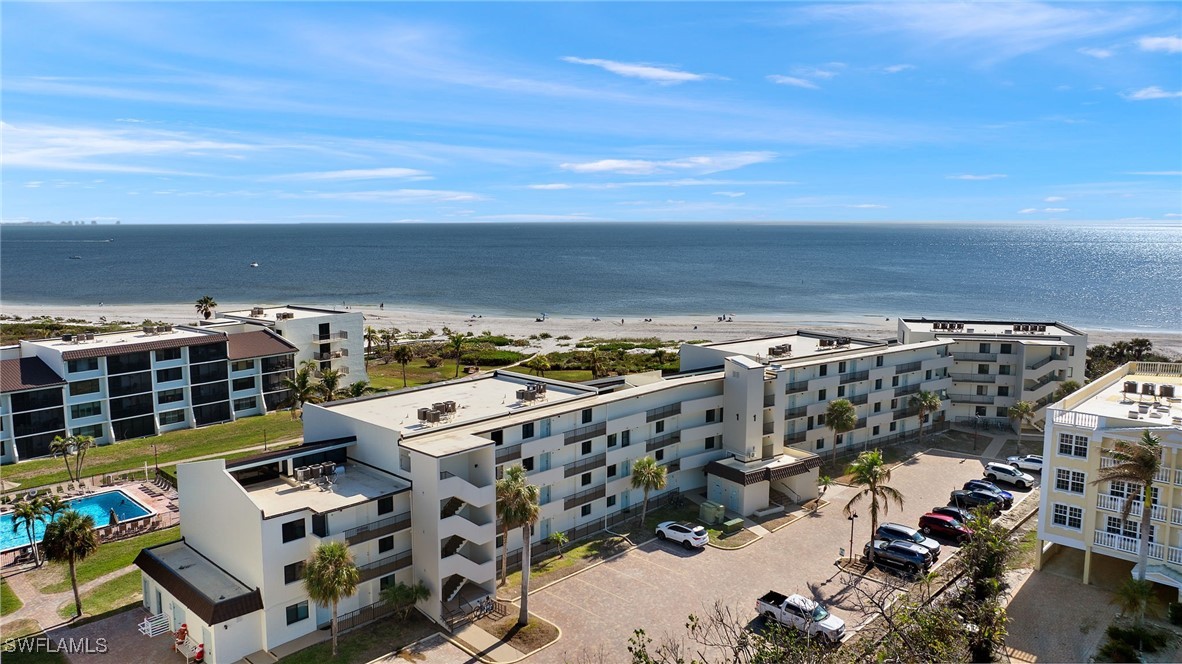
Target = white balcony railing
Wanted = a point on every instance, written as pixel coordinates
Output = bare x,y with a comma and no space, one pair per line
1163,476
1127,544
1176,516
1116,503
1175,555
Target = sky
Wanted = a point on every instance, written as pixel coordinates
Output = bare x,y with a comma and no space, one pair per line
233,112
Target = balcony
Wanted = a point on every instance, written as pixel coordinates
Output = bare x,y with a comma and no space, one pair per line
584,433
1131,545
662,412
1116,503
506,454
797,387
973,377
907,389
377,529
769,428
769,400
344,371
330,337
972,398
585,465
333,355
859,400
793,413
453,485
795,438
384,566
1163,475
856,376
903,413
975,357
908,367
583,497
663,441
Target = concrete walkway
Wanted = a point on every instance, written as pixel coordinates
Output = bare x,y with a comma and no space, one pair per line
486,646
43,607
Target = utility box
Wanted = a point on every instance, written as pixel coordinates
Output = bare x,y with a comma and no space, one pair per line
711,512
732,526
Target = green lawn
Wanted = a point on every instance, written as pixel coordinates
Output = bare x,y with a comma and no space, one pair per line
367,643
107,596
110,557
389,376
174,446
9,602
571,375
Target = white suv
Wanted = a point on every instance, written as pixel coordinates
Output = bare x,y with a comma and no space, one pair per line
1000,472
691,536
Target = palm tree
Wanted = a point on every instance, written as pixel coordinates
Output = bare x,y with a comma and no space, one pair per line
1136,463
1139,347
538,364
1021,413
647,476
1065,388
205,306
27,513
508,489
70,539
517,506
63,446
358,389
330,384
841,417
82,445
598,364
404,596
403,356
329,577
1134,596
53,504
560,539
457,346
371,337
303,390
925,402
870,471
387,337
823,483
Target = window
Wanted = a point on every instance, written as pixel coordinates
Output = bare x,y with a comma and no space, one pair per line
93,430
982,369
385,582
661,426
1003,391
249,403
878,406
612,439
297,612
1003,370
172,417
824,371
586,479
527,430
841,367
660,455
874,431
820,443
1068,516
168,375
878,383
878,361
1007,349
710,442
838,439
240,384
980,411
710,415
293,530
84,364
241,365
984,348
840,391
586,510
587,416
1072,445
293,572
386,544
821,420
585,448
927,375
497,436
625,438
385,505
528,464
84,387
168,354
611,470
982,391
1071,481
1002,411
821,394
892,427
81,410
894,404
611,501
894,381
1126,528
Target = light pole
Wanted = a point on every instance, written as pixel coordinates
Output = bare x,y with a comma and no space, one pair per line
976,431
155,457
851,520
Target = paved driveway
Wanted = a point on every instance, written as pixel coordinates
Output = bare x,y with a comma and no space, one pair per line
657,585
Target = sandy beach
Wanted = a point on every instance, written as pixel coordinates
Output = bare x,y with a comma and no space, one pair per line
671,328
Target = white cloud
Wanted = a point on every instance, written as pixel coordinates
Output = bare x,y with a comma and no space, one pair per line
1056,209
826,73
549,187
968,176
1173,215
792,80
895,69
1161,44
33,184
1050,210
396,196
578,216
1054,199
868,206
357,174
1098,53
700,165
681,182
731,194
1151,92
661,75
1027,210
1155,173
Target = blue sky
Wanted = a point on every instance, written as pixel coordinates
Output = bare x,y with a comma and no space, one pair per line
450,112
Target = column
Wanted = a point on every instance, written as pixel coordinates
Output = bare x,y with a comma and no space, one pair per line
1087,565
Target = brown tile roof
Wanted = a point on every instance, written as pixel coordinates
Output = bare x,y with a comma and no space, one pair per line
258,344
212,611
748,477
26,373
155,344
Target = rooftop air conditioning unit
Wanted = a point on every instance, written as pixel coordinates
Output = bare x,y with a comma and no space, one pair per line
256,312
423,414
68,337
149,329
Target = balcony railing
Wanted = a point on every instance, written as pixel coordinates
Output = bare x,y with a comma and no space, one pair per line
975,357
769,400
908,367
904,412
1127,544
973,378
1116,503
769,428
794,438
972,398
661,413
584,497
1176,516
797,387
1040,382
584,465
907,389
331,336
855,376
334,355
384,566
666,440
793,413
1045,361
505,454
377,528
1163,476
859,400
584,433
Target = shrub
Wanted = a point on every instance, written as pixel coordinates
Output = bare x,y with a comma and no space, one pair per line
565,337
1138,638
492,358
1175,611
1117,651
494,339
434,361
544,335
533,337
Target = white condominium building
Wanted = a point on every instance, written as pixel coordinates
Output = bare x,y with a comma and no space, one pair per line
332,339
1077,512
999,363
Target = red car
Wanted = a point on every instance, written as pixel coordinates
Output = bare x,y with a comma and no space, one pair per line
944,526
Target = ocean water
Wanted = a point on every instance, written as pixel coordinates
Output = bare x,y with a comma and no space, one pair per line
1116,276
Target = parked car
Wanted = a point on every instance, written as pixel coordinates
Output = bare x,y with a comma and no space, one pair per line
974,499
908,556
802,614
982,485
945,526
690,535
897,531
1032,462
1001,472
961,515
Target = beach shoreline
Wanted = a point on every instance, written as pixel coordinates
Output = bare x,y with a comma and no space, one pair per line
670,328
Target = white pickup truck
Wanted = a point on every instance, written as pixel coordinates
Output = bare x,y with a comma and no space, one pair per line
801,613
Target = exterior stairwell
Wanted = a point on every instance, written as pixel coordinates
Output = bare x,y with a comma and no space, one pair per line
452,506
452,545
452,587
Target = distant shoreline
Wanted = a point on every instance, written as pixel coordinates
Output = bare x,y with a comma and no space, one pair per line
684,327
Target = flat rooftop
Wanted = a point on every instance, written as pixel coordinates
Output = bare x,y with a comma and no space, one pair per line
804,344
476,399
354,486
1112,402
1017,329
211,580
116,341
269,313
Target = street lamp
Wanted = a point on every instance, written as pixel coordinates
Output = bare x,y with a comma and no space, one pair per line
155,457
976,431
851,518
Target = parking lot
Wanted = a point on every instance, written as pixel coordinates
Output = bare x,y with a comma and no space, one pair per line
657,585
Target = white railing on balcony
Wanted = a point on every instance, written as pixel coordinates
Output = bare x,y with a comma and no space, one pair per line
1074,419
1116,503
1176,516
1127,544
1174,555
1156,368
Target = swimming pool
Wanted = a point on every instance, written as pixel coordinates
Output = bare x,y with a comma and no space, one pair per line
98,506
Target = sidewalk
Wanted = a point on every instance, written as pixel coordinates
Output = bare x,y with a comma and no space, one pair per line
485,646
